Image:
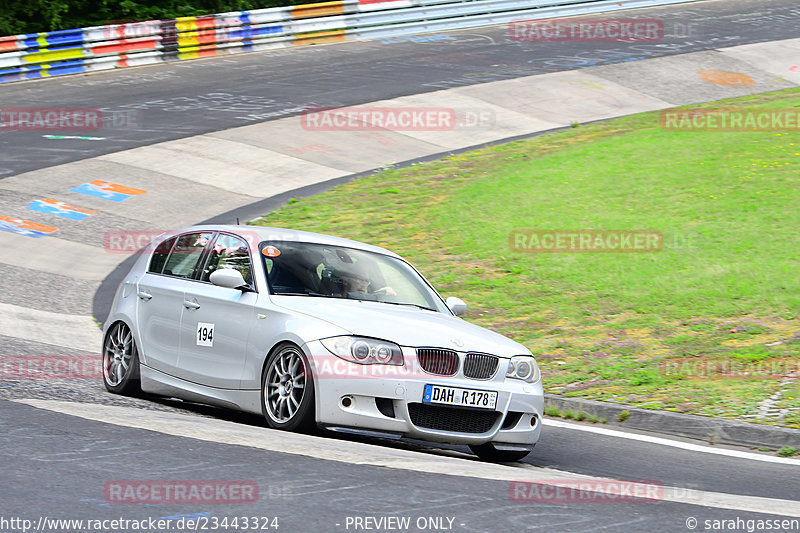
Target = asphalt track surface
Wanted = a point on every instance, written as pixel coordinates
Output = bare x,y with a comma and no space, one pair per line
307,494
170,101
56,465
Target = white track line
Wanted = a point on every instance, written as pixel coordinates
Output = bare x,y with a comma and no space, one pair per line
222,431
669,442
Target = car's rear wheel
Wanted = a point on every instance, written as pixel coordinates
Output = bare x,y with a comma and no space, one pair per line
121,361
489,452
287,390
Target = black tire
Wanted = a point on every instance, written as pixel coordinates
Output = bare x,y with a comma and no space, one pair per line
488,452
286,372
121,361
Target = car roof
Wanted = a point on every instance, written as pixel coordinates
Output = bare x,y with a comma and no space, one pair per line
263,233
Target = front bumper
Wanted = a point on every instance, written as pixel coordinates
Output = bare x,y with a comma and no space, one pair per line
382,398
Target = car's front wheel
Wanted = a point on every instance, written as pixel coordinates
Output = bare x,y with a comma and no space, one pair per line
489,452
287,390
121,361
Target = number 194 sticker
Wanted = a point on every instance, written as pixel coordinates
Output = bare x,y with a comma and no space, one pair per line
205,334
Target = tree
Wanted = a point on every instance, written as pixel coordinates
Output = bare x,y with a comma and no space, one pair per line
31,16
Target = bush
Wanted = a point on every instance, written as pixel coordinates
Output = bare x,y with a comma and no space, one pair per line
30,16
787,451
552,411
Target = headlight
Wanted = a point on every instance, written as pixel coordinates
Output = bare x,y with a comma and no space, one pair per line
364,351
523,367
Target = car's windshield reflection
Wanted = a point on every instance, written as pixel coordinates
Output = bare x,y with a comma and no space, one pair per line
318,270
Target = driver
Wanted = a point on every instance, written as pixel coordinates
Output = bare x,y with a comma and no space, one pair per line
356,281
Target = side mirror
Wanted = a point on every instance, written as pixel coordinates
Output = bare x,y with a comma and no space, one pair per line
456,305
227,277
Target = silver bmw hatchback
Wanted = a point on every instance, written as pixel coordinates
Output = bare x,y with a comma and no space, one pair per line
311,330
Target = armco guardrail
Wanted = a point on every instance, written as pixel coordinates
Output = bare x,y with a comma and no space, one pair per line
38,55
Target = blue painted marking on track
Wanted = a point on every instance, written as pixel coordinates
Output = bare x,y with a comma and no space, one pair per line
13,228
57,210
92,190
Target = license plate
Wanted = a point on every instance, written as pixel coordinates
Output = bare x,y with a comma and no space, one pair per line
481,399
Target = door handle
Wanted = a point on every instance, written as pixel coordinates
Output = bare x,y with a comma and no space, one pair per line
144,295
191,305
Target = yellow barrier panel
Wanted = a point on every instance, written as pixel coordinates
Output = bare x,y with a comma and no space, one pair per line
318,10
187,34
47,56
320,37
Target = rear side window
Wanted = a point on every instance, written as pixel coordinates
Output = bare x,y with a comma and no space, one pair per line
186,253
160,256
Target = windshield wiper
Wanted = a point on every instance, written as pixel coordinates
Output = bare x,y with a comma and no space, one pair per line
290,294
406,303
309,293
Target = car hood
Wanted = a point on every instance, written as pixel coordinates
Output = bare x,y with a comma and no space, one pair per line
404,325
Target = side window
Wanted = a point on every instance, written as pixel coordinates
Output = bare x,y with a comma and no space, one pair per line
185,254
160,256
229,252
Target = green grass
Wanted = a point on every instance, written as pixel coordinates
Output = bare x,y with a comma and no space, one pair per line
787,451
606,325
552,410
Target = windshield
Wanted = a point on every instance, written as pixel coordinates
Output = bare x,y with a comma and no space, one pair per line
307,269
